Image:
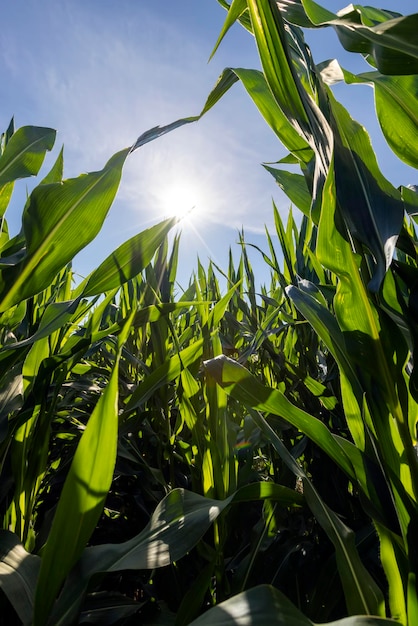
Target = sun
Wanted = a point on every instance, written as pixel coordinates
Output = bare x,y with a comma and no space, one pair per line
180,199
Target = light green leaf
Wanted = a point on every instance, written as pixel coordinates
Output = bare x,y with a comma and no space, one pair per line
269,32
57,170
83,495
126,261
60,220
57,315
25,152
258,89
235,11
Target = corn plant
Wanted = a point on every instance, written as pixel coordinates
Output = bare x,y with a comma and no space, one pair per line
61,351
249,453
360,218
106,416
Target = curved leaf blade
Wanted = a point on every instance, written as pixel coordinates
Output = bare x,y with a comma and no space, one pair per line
267,605
240,384
126,261
25,152
18,575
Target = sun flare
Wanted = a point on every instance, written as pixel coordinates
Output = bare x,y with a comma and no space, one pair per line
180,199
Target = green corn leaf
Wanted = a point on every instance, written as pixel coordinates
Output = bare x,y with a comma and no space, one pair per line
5,196
235,11
244,18
371,206
267,605
11,396
240,384
366,329
25,152
362,594
329,331
57,315
18,575
60,220
294,186
57,170
177,524
159,131
258,89
127,261
393,561
396,100
165,373
388,37
271,41
83,495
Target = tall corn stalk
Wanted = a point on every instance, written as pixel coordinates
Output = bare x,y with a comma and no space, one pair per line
366,243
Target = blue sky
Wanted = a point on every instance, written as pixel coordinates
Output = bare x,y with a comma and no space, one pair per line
102,72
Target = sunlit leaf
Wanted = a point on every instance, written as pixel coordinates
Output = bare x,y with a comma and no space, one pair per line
18,575
25,152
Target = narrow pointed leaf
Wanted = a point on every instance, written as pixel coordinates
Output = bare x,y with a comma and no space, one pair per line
83,495
240,384
234,13
126,261
294,186
57,170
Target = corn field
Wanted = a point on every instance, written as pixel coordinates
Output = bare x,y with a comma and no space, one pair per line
239,455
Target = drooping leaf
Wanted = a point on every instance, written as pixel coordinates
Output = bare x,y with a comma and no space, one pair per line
60,220
243,386
388,37
25,152
396,99
177,524
294,186
18,575
267,605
